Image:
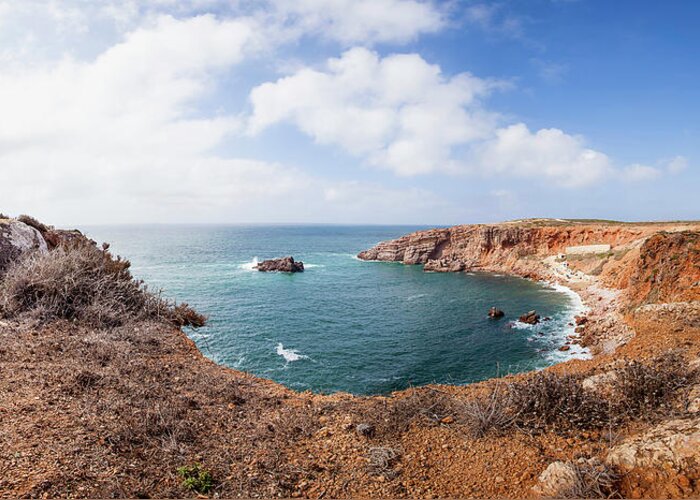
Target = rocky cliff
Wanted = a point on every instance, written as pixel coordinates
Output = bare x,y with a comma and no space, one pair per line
645,259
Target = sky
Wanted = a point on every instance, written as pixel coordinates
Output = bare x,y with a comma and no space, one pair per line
349,111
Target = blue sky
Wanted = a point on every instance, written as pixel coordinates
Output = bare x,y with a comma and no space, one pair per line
349,111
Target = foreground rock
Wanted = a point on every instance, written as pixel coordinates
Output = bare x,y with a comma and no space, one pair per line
16,239
281,265
674,445
530,318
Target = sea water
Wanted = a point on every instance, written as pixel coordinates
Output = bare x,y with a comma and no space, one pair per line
343,324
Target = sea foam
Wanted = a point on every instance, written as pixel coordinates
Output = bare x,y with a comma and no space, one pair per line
249,266
289,355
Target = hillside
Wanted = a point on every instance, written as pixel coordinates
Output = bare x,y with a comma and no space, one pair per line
103,395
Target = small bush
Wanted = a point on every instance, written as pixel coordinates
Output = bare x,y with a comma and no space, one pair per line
645,390
547,400
79,282
195,478
489,414
421,406
32,222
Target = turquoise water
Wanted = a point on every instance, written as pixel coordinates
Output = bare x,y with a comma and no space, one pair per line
344,324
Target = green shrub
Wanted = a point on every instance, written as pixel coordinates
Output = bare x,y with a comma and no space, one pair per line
195,478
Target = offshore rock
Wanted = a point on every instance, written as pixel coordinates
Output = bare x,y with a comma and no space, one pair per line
282,265
495,313
530,318
17,239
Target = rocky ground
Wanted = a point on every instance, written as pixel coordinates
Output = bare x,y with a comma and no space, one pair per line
115,411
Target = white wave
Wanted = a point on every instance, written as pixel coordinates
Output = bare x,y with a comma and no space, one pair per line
568,327
519,325
249,266
311,266
411,298
289,355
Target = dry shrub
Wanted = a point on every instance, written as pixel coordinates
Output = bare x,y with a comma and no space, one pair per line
421,406
80,282
546,401
492,413
32,222
383,459
647,390
593,480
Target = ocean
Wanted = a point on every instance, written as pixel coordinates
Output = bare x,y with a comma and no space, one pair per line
343,324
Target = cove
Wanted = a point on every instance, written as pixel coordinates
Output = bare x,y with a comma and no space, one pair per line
343,324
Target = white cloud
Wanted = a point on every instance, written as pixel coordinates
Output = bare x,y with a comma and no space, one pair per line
677,164
361,21
547,154
122,138
638,172
399,112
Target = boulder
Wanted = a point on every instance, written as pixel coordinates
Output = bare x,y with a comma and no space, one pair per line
495,313
580,320
556,481
282,265
444,266
672,445
564,348
531,318
17,239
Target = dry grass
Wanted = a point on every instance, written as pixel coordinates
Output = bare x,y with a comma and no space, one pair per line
82,283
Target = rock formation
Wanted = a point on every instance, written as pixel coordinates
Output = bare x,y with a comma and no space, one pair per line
282,265
496,313
17,239
530,318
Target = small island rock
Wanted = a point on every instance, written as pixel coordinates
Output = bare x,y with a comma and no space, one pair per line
495,313
530,318
282,265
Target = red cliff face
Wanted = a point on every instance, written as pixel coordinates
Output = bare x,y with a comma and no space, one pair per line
498,246
651,264
668,269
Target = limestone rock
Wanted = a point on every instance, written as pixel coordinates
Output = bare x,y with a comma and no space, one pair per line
694,399
16,239
556,481
283,265
674,444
